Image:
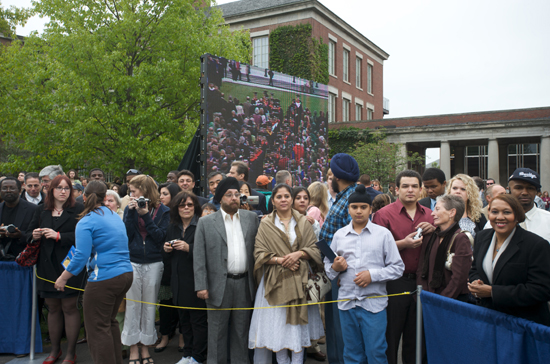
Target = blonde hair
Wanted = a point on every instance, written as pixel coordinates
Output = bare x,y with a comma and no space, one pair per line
474,204
318,197
148,187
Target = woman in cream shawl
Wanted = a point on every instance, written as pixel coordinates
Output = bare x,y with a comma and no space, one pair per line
284,251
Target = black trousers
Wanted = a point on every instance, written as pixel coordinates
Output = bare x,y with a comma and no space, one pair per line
168,317
194,328
401,312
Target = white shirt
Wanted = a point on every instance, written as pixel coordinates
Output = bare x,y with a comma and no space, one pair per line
34,200
488,262
536,221
236,248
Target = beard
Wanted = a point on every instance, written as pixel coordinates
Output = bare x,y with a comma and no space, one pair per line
230,208
10,197
335,187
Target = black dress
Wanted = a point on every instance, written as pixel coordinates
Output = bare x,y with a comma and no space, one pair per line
193,323
52,253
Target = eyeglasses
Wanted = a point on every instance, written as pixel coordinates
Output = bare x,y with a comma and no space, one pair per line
184,205
490,183
62,188
232,195
45,182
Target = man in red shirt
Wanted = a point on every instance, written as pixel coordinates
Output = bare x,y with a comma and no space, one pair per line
403,218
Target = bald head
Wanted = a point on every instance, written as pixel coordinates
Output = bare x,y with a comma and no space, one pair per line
493,191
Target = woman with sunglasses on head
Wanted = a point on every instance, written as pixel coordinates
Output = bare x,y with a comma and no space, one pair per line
103,245
184,214
54,225
146,223
168,316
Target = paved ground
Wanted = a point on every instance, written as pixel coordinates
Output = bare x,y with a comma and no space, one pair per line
168,356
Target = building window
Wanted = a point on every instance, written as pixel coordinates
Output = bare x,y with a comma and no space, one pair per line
345,109
476,161
260,47
358,62
358,112
523,156
369,78
331,108
332,58
345,61
369,113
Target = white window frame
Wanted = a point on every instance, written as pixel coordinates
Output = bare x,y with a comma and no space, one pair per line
332,107
370,69
358,66
332,57
345,65
370,113
358,111
260,59
345,109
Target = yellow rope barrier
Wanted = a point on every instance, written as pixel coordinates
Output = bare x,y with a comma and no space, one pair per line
232,308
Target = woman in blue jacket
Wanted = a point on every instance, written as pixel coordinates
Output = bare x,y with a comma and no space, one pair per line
102,243
146,223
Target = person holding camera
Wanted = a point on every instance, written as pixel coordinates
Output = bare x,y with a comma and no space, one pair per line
184,215
15,216
146,220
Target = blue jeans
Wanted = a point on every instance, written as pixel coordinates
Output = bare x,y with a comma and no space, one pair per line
335,342
364,335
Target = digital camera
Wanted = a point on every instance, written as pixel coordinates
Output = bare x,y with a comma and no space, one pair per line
142,202
252,200
10,228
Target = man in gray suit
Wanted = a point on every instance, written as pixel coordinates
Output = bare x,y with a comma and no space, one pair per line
223,262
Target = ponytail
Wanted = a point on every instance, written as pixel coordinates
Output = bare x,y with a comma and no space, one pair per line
95,194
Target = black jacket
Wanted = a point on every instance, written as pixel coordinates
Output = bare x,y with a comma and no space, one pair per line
24,197
521,278
52,253
182,274
426,202
148,251
23,217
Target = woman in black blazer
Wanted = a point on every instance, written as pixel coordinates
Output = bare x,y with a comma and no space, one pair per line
511,271
184,215
54,225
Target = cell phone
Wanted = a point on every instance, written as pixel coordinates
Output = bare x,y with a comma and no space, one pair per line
418,234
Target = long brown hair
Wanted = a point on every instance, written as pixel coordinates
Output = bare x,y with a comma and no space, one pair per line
49,203
95,193
148,187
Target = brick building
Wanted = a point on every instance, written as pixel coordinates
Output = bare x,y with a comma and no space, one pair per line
489,144
356,64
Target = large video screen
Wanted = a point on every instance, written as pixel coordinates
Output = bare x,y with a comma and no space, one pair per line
269,120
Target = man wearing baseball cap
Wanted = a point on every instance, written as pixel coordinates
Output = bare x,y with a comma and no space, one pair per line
524,184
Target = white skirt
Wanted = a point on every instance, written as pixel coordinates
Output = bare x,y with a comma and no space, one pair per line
269,330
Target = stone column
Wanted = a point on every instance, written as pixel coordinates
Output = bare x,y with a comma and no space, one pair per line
492,160
545,162
403,154
445,158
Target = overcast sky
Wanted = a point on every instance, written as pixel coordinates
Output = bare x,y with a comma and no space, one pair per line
449,56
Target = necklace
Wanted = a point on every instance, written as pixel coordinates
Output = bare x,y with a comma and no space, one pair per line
59,211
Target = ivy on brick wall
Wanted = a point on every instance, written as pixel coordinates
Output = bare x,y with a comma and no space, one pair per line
344,140
294,51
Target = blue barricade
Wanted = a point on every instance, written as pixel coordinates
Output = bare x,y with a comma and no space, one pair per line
458,332
15,310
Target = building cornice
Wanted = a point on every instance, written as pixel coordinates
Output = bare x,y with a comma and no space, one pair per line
276,12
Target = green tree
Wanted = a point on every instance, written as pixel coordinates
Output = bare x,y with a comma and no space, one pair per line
12,17
344,140
382,160
111,83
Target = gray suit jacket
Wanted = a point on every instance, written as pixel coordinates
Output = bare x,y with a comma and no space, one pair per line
210,254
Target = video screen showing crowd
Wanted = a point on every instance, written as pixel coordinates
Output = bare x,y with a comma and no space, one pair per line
269,120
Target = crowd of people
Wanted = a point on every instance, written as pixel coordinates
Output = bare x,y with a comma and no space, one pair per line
268,133
253,246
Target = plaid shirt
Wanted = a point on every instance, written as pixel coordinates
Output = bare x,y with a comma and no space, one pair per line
338,215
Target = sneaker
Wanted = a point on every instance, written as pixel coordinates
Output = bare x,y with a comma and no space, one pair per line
192,361
184,360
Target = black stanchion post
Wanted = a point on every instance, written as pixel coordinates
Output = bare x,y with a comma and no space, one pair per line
418,325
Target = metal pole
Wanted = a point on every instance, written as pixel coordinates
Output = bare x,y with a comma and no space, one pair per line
33,313
418,325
